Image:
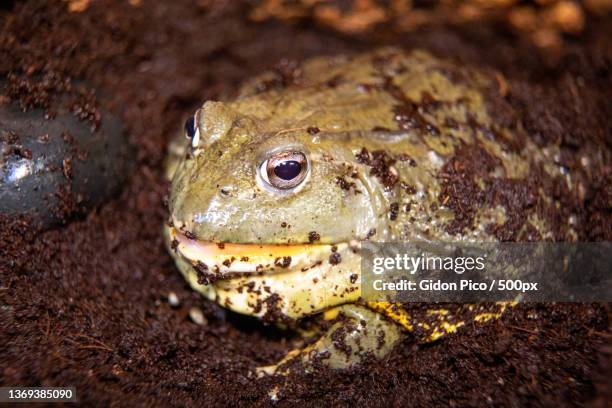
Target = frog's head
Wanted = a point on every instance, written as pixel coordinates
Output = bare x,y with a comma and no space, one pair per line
243,183
283,207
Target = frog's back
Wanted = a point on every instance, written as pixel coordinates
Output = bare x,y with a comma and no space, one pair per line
381,90
429,117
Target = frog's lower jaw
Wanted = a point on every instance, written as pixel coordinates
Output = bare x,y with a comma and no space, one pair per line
359,334
269,281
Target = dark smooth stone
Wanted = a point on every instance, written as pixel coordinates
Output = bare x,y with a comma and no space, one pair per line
53,169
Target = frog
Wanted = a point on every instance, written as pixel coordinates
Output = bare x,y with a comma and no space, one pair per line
274,190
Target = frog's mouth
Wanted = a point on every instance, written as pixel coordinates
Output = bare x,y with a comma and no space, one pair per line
258,279
222,261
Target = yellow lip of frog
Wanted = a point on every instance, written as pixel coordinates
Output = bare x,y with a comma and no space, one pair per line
273,192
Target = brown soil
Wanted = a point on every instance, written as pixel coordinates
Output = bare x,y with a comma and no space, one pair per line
86,305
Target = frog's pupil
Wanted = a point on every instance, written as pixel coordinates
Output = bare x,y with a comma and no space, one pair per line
190,127
288,170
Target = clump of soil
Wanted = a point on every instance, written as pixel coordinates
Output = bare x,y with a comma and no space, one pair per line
86,305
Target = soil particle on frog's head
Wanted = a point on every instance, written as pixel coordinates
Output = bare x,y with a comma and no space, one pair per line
381,165
343,184
408,188
393,211
403,157
428,103
363,156
408,118
313,236
407,114
371,233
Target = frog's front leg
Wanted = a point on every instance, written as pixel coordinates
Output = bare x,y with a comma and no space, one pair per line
357,334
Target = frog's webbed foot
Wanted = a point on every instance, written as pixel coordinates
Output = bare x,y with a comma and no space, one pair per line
358,333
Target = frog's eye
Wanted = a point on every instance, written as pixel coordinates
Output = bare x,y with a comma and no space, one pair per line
284,170
192,132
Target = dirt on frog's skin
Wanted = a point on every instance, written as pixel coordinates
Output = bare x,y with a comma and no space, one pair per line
86,305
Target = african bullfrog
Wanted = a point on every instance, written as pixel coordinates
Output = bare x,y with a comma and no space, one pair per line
274,190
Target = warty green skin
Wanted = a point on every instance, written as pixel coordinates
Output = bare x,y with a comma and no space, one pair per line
336,108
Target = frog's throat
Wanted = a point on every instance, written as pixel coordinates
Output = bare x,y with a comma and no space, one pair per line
222,261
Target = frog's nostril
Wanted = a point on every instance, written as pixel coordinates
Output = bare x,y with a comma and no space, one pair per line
226,191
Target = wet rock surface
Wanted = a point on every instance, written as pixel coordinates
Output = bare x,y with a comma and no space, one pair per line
54,168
